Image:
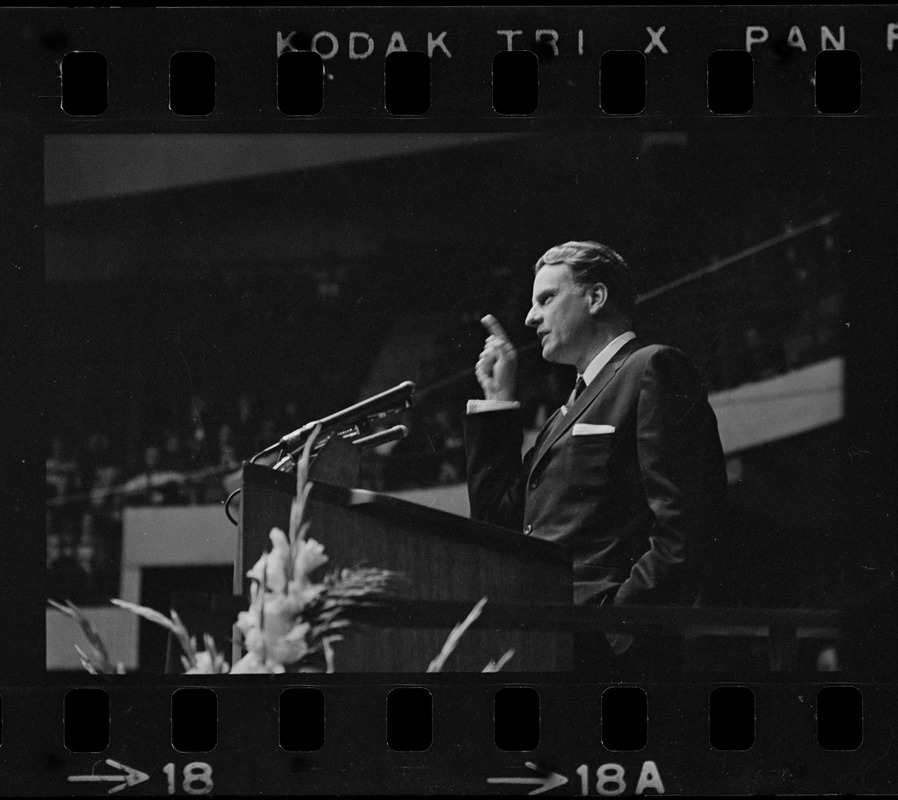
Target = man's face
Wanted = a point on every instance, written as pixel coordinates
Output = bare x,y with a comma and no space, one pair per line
560,314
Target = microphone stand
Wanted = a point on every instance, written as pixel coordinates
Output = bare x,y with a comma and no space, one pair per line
350,423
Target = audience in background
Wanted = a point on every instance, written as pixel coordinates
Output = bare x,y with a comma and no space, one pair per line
154,486
62,472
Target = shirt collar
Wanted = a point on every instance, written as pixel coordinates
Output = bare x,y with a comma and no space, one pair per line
609,351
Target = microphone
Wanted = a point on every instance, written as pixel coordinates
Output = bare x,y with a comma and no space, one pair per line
381,437
379,406
351,435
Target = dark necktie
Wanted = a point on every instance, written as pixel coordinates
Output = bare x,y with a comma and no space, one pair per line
578,390
549,429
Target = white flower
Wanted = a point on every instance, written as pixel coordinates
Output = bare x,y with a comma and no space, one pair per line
276,561
251,619
206,665
255,641
249,623
272,567
292,647
302,592
250,664
257,573
277,619
309,556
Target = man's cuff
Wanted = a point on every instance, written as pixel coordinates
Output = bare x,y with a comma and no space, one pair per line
479,406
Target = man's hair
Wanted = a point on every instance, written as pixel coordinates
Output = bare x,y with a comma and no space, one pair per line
591,263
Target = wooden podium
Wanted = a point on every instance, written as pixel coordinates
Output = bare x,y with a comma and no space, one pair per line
443,558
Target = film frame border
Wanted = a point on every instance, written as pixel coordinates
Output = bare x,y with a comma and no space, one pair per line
25,119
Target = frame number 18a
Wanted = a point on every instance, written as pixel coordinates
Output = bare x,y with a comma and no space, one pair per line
610,780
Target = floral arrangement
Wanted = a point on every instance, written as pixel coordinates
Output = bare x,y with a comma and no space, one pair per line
293,620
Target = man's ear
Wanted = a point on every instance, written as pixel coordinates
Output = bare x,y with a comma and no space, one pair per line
598,297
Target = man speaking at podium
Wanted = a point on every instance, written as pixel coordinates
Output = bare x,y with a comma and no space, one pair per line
629,473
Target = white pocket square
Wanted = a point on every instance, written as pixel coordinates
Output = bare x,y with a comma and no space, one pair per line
585,429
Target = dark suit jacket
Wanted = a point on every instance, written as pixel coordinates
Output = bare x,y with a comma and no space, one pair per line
639,507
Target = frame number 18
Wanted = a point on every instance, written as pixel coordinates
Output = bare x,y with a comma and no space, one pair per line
197,777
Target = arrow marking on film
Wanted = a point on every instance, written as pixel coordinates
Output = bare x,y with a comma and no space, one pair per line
132,777
543,783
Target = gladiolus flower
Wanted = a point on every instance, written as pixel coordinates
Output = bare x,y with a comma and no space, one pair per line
257,573
250,664
309,556
276,561
206,665
291,648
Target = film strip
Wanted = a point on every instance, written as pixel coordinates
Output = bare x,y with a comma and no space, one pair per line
313,204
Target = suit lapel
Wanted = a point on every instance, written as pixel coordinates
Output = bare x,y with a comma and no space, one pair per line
546,431
590,393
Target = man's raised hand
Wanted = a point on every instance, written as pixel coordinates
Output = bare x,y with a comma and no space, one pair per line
498,362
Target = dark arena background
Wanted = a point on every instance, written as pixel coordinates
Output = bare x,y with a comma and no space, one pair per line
206,294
